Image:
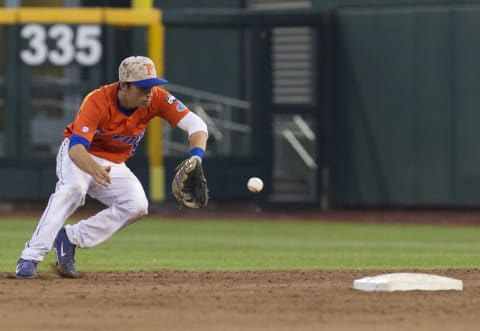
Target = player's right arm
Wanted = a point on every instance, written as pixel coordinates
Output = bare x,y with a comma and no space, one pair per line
81,135
82,159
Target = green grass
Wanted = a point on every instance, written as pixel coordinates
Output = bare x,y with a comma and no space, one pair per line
261,245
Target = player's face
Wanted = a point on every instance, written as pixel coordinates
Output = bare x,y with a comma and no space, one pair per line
140,96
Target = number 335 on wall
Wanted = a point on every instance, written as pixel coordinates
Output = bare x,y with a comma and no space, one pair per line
61,44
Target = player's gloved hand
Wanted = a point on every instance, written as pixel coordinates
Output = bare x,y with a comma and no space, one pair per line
189,185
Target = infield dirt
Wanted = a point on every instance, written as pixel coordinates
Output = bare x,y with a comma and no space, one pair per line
266,300
231,301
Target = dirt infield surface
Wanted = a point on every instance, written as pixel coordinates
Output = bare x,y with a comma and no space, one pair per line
231,301
286,300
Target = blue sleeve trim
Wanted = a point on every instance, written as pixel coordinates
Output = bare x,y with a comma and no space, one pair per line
197,151
76,140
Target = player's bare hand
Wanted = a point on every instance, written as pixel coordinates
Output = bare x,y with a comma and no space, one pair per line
102,176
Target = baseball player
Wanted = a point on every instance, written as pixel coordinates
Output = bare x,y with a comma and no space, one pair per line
107,129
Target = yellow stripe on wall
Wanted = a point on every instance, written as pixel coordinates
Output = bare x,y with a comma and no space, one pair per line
155,129
52,15
132,17
142,4
59,15
8,16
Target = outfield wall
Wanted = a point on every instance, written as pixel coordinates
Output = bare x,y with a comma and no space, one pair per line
403,125
399,128
407,104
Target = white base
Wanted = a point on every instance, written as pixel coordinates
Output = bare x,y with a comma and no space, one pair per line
407,282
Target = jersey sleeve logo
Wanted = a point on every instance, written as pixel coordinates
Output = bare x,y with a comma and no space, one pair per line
171,99
180,106
85,129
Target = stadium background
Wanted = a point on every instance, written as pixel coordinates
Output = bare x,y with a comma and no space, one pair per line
335,104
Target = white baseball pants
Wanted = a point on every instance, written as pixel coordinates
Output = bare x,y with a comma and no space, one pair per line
124,198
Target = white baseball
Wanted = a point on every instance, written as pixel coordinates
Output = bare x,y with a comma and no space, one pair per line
255,184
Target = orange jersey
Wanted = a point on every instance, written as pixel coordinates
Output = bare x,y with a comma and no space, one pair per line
112,134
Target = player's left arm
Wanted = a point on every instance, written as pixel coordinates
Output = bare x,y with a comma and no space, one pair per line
177,114
189,185
199,140
197,132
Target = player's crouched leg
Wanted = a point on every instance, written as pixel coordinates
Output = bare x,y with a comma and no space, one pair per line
96,229
65,201
133,209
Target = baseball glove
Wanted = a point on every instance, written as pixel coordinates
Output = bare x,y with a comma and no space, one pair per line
189,185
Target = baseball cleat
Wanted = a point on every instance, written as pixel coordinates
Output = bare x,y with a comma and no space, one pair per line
26,269
65,252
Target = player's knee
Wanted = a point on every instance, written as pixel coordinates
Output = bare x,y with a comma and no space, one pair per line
137,208
73,194
142,207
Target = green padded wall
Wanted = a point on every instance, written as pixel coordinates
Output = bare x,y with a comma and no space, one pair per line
407,101
466,104
208,59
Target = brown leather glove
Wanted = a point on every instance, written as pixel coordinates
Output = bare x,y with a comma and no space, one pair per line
189,185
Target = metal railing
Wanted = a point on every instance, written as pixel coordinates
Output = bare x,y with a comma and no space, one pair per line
227,118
